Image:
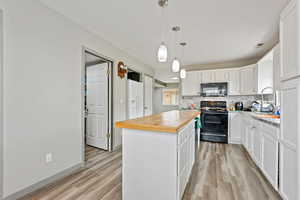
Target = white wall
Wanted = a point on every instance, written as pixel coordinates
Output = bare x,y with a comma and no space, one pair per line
42,96
1,103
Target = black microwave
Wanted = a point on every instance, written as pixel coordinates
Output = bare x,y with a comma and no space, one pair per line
214,89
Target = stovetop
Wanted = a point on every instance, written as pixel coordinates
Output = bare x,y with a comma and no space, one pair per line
213,106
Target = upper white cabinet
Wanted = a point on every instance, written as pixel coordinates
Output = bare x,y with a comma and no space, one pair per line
221,76
248,79
265,73
190,86
208,76
289,42
234,82
276,67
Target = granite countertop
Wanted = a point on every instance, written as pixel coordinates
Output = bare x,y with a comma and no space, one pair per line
170,122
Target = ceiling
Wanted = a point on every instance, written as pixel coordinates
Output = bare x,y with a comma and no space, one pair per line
215,31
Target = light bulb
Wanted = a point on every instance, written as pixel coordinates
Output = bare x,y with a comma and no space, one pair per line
162,53
182,73
175,65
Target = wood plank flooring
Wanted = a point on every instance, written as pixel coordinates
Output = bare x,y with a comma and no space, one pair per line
226,172
221,172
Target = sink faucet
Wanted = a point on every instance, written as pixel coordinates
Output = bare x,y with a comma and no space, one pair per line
262,96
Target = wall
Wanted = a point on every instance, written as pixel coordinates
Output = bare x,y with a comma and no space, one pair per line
42,91
1,103
157,95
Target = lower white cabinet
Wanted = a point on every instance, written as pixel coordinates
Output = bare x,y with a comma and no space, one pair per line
234,127
186,156
257,145
261,140
270,153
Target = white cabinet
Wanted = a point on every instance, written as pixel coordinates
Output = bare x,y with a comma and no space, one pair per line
221,76
270,143
190,86
261,141
248,79
186,156
257,143
234,82
289,137
235,128
289,41
265,73
276,67
208,76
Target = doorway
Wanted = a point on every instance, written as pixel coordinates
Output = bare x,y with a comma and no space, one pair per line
97,101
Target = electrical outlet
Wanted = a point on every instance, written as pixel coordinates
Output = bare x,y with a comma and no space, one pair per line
48,157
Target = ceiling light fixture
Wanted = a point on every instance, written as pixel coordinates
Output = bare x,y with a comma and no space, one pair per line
182,71
162,53
175,64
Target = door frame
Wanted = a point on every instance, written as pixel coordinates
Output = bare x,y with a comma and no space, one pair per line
83,100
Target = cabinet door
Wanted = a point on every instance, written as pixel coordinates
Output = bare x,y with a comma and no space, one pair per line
265,73
289,45
248,79
234,82
235,128
289,135
221,76
190,86
257,140
270,157
276,68
250,139
208,76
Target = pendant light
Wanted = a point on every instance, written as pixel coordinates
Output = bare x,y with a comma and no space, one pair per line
176,63
183,71
162,53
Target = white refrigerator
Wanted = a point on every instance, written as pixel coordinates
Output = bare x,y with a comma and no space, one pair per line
135,99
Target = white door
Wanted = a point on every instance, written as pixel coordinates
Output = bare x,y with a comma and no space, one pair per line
135,99
148,81
97,106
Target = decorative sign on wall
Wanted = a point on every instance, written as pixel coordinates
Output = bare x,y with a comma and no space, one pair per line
122,69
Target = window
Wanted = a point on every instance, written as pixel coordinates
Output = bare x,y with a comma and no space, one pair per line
170,96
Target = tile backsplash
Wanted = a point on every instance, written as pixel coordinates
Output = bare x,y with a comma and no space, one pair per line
247,100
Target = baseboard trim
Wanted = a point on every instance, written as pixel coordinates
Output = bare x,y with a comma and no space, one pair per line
116,148
45,182
235,141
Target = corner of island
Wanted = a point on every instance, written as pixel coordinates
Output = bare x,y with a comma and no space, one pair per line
158,153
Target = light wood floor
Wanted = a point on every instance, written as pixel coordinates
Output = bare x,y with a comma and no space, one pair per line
221,172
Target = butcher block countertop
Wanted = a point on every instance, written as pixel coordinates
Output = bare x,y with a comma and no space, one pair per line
170,122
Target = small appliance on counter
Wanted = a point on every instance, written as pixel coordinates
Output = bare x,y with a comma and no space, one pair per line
239,105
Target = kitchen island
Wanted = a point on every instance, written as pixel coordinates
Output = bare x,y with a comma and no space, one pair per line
158,155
